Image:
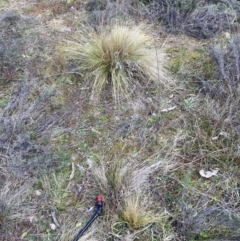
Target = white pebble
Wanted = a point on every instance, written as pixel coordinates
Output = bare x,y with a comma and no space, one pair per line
53,226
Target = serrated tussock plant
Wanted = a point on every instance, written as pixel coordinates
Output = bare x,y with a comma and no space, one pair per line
120,59
135,215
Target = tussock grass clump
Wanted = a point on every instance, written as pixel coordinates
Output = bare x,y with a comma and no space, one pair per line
120,59
135,214
113,179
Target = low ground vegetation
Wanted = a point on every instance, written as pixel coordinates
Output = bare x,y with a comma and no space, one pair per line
199,19
88,108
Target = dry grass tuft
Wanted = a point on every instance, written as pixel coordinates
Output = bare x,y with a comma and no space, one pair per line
120,59
135,215
113,179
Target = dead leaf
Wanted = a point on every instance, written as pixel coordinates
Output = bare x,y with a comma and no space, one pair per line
222,133
208,174
214,138
32,219
24,235
78,225
73,171
169,109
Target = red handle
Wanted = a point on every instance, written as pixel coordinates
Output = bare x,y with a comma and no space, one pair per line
99,198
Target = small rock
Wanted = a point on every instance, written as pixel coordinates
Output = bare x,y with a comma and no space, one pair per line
53,226
38,193
227,35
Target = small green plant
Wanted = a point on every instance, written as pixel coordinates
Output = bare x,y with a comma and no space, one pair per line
4,101
188,103
119,59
